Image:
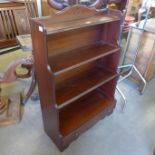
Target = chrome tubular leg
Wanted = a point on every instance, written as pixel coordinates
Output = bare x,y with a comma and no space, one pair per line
142,78
126,76
123,97
125,66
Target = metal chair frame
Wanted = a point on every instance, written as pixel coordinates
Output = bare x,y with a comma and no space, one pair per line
132,67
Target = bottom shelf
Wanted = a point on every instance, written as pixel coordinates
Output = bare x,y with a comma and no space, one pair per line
83,110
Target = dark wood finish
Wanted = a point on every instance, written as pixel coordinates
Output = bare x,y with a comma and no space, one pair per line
76,87
76,56
5,43
79,57
54,27
82,110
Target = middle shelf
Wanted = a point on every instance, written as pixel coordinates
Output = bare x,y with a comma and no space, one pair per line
66,61
76,87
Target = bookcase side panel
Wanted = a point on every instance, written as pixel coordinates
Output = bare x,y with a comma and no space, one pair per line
45,83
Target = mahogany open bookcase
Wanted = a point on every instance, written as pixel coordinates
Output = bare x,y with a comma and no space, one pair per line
76,56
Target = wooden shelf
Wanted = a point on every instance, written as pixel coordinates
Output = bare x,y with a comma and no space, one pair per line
77,87
67,26
80,56
57,24
83,110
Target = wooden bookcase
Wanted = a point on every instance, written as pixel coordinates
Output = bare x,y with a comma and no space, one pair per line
76,55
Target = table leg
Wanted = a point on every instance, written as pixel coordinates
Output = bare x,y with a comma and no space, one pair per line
32,87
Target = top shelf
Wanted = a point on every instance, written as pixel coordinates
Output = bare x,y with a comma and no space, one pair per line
70,25
76,17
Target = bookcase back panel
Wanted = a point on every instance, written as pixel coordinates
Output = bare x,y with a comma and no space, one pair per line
110,62
111,32
70,40
83,110
109,88
74,73
81,81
